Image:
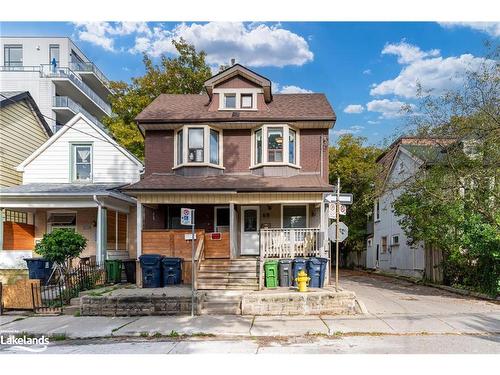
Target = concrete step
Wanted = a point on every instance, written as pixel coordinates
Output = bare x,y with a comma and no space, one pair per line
74,301
227,286
220,309
71,310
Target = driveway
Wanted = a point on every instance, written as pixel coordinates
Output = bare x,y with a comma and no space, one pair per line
385,295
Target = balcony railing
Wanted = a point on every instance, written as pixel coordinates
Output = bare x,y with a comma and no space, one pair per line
19,68
48,70
89,67
290,243
65,102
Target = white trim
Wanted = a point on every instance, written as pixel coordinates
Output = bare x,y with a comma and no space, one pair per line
206,146
237,93
294,205
286,136
65,128
242,225
49,227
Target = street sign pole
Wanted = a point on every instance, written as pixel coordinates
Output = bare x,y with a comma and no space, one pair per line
337,237
192,262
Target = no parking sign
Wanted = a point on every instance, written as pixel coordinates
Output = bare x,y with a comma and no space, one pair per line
186,216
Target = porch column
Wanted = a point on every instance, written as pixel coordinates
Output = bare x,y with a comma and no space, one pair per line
101,238
1,228
139,229
232,232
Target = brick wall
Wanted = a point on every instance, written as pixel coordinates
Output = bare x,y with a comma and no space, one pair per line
310,146
159,151
237,150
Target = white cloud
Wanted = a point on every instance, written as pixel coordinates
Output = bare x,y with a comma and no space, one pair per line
371,122
367,71
354,108
252,44
433,72
351,130
490,28
387,108
288,89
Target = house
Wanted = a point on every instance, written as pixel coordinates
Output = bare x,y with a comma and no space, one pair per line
71,182
58,75
251,163
386,246
22,130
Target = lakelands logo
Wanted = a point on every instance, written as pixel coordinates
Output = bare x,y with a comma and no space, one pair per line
25,343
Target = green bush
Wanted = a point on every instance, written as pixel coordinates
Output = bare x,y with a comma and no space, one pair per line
61,245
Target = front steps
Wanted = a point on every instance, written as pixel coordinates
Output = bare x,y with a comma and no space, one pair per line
219,302
228,274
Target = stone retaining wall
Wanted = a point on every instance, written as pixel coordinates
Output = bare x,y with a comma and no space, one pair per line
310,303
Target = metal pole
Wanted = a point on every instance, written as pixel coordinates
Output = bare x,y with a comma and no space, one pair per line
337,214
192,262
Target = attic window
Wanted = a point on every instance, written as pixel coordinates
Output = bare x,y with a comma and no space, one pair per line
246,101
229,100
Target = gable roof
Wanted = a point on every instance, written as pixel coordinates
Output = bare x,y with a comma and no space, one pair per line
79,116
11,97
174,108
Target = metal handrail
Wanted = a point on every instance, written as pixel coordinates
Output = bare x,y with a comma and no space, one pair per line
89,67
67,102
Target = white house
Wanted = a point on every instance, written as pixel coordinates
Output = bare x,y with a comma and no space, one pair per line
57,74
386,246
72,181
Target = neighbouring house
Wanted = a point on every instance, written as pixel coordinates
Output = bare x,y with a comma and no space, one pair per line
251,163
386,245
58,75
71,181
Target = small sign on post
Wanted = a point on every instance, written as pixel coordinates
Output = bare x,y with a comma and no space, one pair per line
187,218
343,232
332,210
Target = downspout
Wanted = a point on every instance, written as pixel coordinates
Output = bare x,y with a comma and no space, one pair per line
321,155
99,230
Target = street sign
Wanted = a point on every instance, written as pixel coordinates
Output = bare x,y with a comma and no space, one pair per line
186,216
332,210
343,232
332,198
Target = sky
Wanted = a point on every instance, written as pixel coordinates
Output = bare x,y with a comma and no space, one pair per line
368,70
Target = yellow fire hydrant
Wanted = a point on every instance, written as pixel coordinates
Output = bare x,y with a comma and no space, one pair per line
302,280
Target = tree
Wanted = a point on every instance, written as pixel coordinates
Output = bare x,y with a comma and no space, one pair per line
355,164
60,246
184,74
453,203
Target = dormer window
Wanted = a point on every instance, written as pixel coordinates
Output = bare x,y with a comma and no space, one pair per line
198,145
230,101
246,101
273,144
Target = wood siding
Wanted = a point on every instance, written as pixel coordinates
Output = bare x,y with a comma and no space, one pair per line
109,164
18,236
20,135
217,249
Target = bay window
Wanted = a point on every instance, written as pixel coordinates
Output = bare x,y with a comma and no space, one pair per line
275,145
198,145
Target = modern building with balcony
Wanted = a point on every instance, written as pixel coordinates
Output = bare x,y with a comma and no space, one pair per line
59,77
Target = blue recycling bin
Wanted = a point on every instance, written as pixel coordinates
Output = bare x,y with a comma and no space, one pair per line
316,269
298,264
172,271
151,270
39,268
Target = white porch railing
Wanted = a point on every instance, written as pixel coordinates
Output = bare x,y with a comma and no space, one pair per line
291,243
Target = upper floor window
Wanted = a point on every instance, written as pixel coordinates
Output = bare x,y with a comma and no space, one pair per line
275,144
54,54
237,99
13,55
82,163
198,145
377,210
246,101
229,100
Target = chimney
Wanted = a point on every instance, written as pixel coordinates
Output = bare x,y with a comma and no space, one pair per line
233,61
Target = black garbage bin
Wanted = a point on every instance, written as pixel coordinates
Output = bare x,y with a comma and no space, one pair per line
172,271
151,270
298,264
285,272
316,269
324,264
130,265
39,268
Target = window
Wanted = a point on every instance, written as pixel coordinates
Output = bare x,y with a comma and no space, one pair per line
246,101
221,219
180,147
16,216
13,55
294,216
196,145
82,167
275,145
116,229
214,146
62,221
384,244
291,146
229,100
258,146
377,210
54,53
395,240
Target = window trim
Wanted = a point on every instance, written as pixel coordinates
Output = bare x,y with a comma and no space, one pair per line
295,205
286,137
50,227
7,47
72,169
206,151
203,146
245,94
230,94
215,216
238,92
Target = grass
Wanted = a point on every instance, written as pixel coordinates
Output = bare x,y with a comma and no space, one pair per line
58,337
101,292
77,314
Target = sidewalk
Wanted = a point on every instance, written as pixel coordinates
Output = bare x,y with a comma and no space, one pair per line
247,326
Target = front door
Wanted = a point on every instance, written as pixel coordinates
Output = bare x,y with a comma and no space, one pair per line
250,223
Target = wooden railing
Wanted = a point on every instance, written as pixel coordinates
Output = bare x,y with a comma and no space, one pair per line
198,257
291,243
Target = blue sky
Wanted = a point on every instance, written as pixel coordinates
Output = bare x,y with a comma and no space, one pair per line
367,70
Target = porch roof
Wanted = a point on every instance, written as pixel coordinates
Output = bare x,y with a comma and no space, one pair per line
230,183
66,191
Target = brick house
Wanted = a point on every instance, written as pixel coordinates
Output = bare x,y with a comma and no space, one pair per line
252,164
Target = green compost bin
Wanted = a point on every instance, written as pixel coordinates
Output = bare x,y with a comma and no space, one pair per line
271,273
113,271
